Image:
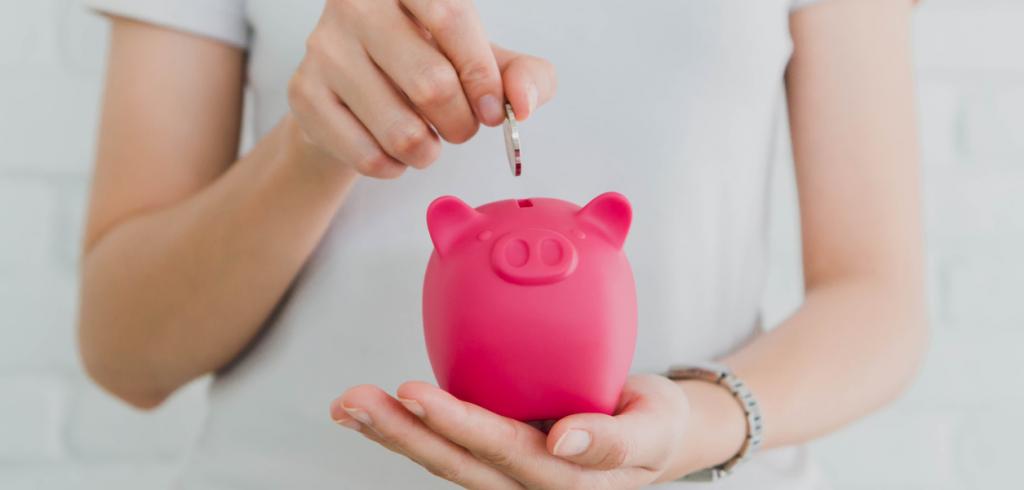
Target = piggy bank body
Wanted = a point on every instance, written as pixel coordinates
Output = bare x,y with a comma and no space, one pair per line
529,306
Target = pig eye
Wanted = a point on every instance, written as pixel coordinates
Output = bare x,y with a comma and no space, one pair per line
485,235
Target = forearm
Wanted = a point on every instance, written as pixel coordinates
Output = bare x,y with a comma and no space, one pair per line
856,341
852,347
172,294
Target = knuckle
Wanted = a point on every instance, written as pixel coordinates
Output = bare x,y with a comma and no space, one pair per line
374,164
406,140
350,6
503,456
324,48
295,90
615,455
442,14
509,431
315,44
392,173
435,85
477,72
389,441
498,456
453,471
463,132
300,92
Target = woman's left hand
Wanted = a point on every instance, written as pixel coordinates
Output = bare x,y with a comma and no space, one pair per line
646,441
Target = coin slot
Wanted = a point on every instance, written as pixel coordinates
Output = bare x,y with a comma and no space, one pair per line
524,203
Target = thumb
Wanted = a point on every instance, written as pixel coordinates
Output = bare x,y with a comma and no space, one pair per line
603,442
529,81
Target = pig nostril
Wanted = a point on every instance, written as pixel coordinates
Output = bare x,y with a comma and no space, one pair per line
525,203
551,251
517,253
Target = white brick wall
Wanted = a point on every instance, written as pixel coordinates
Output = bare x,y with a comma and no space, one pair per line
953,430
956,427
58,431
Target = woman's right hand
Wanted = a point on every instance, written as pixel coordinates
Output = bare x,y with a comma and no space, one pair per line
382,79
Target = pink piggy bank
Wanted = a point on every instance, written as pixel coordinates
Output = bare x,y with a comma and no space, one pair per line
529,306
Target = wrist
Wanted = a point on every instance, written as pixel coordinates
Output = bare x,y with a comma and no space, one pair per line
297,150
716,427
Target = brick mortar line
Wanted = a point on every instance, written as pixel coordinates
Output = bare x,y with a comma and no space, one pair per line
44,175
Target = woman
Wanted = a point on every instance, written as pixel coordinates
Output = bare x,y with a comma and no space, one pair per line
293,272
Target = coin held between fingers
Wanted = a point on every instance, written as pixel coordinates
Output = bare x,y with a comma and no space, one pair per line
512,146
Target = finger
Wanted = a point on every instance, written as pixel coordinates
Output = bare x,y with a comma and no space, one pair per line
332,126
456,27
371,97
529,81
425,76
511,446
634,438
384,420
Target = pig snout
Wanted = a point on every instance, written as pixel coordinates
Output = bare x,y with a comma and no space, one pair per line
534,256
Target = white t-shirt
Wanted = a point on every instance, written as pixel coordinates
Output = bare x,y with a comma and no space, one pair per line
673,103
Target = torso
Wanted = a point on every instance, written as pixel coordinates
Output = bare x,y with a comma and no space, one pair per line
673,103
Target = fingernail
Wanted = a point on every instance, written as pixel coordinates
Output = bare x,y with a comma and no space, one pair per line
359,415
531,96
413,406
349,423
573,442
490,109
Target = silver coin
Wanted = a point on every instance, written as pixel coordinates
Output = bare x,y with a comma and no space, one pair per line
512,148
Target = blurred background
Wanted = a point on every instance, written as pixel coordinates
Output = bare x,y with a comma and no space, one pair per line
958,427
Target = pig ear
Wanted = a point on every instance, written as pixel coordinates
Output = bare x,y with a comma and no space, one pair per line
611,213
447,219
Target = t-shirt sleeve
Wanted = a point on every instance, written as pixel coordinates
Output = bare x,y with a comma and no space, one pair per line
222,20
799,4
